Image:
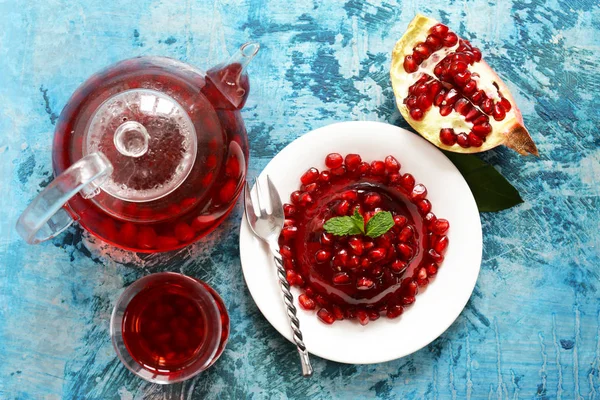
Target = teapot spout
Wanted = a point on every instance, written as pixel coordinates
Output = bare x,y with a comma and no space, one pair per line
227,83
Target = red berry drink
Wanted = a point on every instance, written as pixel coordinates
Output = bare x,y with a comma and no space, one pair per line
168,327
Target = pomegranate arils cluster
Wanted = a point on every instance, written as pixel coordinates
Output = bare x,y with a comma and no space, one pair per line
453,87
342,275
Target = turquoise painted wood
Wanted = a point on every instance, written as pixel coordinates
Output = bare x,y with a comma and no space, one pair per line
531,328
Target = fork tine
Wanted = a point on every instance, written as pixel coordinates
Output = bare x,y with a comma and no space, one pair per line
277,207
260,198
248,206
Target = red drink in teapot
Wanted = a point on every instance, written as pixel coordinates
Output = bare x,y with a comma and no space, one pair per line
149,154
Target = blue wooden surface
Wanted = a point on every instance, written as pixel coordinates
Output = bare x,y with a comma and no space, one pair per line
531,329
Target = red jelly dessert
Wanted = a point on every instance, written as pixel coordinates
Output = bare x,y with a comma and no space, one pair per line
171,326
370,268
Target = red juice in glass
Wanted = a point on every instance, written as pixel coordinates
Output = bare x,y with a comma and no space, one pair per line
168,327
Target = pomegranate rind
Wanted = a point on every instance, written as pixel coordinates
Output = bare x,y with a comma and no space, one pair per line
510,131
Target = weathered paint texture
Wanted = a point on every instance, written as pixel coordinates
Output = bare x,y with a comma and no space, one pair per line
531,329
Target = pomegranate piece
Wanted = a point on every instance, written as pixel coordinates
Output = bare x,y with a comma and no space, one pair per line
352,161
363,317
454,87
325,316
306,302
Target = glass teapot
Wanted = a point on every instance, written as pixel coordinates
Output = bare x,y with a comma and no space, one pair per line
149,154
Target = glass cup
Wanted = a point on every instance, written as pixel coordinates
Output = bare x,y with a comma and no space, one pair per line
168,327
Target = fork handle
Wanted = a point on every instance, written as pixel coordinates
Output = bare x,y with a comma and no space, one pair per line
288,299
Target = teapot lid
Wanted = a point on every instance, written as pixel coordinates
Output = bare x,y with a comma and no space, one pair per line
148,138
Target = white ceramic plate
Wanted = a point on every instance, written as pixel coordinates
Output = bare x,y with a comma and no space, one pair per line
435,308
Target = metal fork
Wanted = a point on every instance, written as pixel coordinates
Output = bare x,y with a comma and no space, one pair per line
267,227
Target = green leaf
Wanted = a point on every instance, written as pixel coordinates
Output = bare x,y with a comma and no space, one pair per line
380,223
491,190
359,221
341,226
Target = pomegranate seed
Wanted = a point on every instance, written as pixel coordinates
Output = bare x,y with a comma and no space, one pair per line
341,278
407,182
406,252
289,210
343,207
487,106
482,130
505,103
400,221
322,256
447,136
394,311
377,254
363,168
478,97
450,39
499,113
341,258
394,179
411,102
476,54
309,292
474,140
183,232
406,234
350,195
334,160
327,239
356,245
416,114
410,287
289,232
473,115
421,276
289,263
166,241
310,188
295,197
305,200
435,256
429,219
463,140
211,161
421,89
363,317
368,215
439,30
352,161
445,110
353,262
482,119
365,262
424,102
232,168
339,171
325,177
398,266
469,88
462,106
439,98
438,70
337,312
422,50
410,64
432,269
451,97
293,278
364,283
408,300
433,42
285,251
440,226
424,206
377,271
384,241
434,89
373,315
368,244
441,244
419,192
146,238
377,168
458,67
306,302
391,165
325,316
310,176
372,200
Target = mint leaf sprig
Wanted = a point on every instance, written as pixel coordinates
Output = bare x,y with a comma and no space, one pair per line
378,225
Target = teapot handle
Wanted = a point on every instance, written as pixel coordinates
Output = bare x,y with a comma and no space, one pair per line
46,216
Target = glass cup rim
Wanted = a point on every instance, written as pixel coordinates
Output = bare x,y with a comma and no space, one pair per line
210,309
